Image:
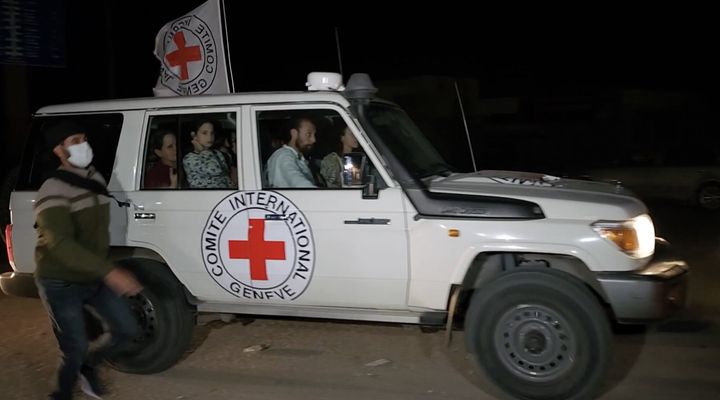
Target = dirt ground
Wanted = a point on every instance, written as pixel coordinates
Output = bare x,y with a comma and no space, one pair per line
327,360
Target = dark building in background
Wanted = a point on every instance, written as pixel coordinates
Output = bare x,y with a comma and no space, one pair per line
32,35
558,133
529,105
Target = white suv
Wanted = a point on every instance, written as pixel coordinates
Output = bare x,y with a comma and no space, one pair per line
536,265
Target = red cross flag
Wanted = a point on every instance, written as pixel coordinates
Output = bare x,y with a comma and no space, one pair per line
192,53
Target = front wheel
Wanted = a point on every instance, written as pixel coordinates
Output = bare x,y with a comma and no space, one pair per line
539,334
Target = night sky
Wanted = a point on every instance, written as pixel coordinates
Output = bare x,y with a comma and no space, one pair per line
109,54
113,43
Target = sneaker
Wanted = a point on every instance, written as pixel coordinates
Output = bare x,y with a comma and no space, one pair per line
91,389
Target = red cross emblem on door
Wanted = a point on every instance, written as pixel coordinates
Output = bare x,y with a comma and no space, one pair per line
257,250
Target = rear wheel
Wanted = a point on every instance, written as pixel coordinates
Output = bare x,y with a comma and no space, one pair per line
166,321
539,334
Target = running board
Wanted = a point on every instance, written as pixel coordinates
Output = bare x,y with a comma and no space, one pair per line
354,314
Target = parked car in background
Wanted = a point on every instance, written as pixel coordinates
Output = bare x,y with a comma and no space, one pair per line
687,174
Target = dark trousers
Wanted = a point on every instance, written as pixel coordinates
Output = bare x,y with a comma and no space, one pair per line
65,302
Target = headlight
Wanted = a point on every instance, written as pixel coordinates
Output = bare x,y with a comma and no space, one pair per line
635,237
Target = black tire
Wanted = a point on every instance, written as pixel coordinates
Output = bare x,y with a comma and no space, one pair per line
708,196
166,319
539,334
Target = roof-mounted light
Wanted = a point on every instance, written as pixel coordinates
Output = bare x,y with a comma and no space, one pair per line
324,81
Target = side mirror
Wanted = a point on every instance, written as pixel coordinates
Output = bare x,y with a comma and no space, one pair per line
370,190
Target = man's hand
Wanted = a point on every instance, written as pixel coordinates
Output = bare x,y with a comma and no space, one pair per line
122,282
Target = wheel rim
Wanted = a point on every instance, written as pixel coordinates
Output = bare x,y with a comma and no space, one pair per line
535,343
709,197
146,316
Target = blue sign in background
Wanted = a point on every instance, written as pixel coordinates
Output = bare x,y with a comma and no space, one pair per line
32,32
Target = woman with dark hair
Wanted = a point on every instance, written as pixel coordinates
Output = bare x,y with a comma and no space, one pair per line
162,171
205,167
331,166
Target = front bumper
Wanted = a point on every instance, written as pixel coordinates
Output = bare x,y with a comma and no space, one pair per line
18,284
651,293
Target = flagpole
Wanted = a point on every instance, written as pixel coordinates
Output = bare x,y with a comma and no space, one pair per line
223,14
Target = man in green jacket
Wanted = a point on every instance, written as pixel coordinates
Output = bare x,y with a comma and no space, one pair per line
72,265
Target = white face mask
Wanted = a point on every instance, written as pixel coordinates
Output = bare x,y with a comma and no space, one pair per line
81,155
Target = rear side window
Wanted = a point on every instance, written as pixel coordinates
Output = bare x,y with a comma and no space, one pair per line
191,151
103,132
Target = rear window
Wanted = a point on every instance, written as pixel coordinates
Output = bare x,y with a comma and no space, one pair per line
103,132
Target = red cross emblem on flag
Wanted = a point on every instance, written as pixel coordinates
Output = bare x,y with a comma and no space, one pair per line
183,55
191,56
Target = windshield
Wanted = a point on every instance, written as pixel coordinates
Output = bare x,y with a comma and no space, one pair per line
405,140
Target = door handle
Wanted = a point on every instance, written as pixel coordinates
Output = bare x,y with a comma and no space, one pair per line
368,221
144,216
